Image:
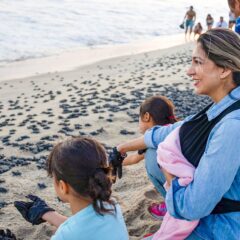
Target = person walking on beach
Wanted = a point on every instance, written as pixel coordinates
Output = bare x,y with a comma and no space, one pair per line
209,21
234,6
209,141
156,110
82,178
221,23
190,18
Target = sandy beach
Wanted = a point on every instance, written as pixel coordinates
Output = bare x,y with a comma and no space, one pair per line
39,108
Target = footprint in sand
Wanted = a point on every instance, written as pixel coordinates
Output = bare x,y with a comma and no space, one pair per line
152,194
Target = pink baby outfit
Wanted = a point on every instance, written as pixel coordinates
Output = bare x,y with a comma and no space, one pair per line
170,157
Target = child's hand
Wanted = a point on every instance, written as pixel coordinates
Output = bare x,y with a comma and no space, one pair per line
115,160
169,177
34,210
120,148
133,159
7,235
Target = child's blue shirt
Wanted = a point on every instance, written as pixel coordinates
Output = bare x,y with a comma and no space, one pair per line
88,225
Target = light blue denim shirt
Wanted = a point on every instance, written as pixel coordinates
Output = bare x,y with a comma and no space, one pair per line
217,175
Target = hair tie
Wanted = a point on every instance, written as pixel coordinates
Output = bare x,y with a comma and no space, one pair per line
171,117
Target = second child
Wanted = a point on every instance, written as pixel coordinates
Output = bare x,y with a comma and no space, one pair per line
154,111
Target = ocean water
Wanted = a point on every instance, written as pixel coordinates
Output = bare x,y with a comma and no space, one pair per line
31,29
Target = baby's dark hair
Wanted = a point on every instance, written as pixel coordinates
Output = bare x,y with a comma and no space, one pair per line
82,163
160,108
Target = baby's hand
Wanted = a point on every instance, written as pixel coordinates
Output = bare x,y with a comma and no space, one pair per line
169,177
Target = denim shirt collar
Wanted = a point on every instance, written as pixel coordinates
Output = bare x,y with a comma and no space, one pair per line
219,107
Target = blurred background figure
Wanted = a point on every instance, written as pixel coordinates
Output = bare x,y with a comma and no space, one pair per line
198,29
222,23
209,21
190,17
232,20
234,6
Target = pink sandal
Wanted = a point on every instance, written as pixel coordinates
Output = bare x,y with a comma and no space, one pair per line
158,210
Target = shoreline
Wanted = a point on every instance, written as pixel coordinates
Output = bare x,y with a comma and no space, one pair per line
73,59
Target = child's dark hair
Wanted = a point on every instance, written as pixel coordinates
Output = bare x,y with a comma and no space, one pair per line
82,163
160,108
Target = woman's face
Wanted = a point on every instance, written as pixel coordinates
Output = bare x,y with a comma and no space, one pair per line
205,74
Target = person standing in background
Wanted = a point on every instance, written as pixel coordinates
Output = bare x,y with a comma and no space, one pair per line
232,20
198,29
209,21
234,6
222,23
190,17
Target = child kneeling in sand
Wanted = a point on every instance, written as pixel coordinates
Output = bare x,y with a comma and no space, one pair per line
156,110
81,178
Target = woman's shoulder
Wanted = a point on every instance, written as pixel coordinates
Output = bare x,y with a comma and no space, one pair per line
233,117
229,125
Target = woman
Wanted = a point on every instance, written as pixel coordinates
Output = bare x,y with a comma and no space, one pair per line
214,151
209,21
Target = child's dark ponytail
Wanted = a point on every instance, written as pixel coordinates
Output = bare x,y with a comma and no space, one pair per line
82,163
100,190
160,108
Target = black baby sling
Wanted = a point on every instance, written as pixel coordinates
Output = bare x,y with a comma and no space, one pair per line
193,139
